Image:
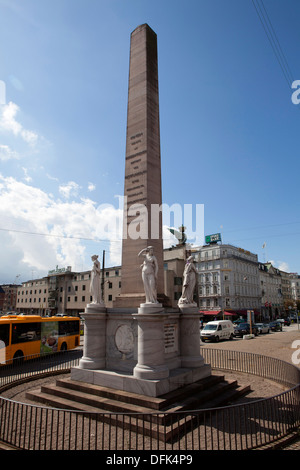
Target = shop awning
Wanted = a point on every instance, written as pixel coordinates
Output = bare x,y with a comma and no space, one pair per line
211,312
230,314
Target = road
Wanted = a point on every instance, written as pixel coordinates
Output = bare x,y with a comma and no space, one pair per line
280,344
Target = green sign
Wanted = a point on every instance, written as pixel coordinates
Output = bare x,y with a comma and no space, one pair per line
216,237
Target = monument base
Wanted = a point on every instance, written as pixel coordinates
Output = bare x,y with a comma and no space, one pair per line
150,352
178,378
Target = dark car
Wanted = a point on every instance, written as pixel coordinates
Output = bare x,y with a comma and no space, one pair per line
275,325
244,329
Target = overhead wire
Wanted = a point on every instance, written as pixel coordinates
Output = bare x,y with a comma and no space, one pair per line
273,39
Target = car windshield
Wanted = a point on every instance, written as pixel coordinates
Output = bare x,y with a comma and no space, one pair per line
210,327
243,325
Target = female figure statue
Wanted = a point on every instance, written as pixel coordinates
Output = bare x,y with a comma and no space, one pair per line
95,285
189,281
149,274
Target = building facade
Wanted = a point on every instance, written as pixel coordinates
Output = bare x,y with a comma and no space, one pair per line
272,300
65,291
8,297
228,279
295,287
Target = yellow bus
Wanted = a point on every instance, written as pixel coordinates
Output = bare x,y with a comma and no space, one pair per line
27,335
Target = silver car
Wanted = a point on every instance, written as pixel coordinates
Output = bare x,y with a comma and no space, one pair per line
263,328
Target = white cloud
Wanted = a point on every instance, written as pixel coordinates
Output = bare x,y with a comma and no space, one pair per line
6,153
8,123
69,189
38,232
91,187
282,265
27,178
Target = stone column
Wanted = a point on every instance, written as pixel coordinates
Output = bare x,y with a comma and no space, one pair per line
142,189
151,344
190,338
94,349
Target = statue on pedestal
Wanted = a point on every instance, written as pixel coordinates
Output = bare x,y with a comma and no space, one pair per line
189,282
95,285
149,274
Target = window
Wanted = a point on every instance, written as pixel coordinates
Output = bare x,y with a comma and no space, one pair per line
110,285
24,332
4,334
68,328
83,287
83,298
109,298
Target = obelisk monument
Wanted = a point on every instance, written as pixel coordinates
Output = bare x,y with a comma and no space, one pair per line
142,221
139,345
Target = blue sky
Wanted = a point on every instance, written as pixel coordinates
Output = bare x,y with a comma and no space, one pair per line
229,129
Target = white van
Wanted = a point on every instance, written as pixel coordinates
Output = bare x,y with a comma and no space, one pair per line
217,330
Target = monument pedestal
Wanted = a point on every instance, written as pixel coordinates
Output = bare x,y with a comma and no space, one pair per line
151,352
190,336
94,349
151,343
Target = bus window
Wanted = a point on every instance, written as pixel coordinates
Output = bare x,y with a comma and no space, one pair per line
68,328
4,334
23,332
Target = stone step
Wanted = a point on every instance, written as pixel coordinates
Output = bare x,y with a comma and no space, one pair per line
154,403
168,427
161,417
97,402
156,424
103,399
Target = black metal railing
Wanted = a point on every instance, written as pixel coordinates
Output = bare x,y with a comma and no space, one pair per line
242,426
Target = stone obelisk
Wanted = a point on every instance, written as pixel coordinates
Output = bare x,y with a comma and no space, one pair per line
142,225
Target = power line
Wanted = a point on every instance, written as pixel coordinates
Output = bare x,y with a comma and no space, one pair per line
274,41
260,227
59,236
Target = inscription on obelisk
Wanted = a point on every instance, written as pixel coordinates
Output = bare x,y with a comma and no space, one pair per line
142,187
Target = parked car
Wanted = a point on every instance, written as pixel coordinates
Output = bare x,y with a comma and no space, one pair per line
263,328
244,329
284,321
275,325
217,330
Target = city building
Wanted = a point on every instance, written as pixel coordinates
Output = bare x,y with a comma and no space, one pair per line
295,287
272,299
228,279
8,297
65,291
